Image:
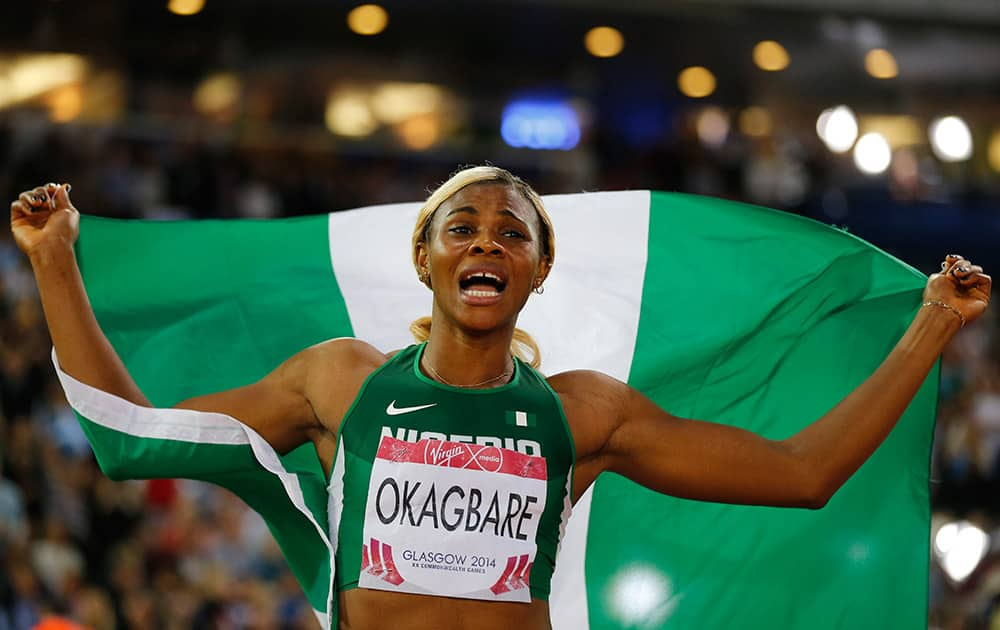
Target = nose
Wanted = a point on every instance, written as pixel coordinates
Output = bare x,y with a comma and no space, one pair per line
485,243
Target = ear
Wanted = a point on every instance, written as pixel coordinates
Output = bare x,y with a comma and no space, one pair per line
421,254
423,263
544,267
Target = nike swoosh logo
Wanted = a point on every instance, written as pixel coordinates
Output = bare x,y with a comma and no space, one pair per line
393,410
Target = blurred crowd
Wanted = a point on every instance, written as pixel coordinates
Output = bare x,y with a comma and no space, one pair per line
80,551
130,172
965,476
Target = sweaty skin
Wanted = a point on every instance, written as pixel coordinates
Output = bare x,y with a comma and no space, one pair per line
614,427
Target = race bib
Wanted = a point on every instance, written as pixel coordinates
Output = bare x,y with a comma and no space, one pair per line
453,519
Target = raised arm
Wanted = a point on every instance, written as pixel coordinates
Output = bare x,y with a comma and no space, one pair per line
626,433
45,225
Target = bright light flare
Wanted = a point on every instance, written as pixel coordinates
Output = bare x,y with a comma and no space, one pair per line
349,114
604,41
395,102
837,127
880,64
367,19
696,82
185,7
771,56
946,537
872,154
951,140
641,597
23,77
960,547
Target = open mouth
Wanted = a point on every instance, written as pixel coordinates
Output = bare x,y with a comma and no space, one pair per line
482,284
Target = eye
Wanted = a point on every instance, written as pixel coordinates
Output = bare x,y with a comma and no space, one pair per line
514,234
460,229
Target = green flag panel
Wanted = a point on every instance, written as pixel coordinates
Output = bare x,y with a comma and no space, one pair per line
180,300
198,307
765,320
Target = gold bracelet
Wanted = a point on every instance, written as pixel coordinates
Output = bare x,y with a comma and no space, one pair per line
945,305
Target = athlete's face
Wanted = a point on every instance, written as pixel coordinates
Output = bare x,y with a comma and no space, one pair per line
483,255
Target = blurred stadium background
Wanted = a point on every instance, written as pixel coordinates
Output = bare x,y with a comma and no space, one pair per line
879,116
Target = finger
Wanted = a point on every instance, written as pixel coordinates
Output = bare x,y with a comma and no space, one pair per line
951,264
36,215
61,196
42,193
970,280
960,268
983,283
32,198
964,269
19,209
977,285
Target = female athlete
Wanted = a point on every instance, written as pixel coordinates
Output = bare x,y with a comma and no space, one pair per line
453,464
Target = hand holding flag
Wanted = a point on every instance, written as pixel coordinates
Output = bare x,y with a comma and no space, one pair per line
961,287
42,217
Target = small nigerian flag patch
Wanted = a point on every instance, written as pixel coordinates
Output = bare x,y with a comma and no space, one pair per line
521,418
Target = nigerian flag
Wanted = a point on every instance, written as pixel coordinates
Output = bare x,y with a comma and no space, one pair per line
716,310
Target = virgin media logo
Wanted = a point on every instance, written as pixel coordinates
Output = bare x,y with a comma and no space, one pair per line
434,452
459,455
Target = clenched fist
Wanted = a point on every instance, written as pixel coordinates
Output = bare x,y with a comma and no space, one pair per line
961,286
44,217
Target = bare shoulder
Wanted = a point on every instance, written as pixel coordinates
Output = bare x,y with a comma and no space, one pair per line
588,387
593,402
333,373
342,356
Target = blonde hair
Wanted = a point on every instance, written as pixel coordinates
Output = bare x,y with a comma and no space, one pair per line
522,343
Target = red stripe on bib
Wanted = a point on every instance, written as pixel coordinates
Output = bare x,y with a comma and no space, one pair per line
462,455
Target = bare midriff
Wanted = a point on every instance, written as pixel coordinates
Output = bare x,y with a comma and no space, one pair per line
367,609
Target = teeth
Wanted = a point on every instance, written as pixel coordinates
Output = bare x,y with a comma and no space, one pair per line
477,293
486,274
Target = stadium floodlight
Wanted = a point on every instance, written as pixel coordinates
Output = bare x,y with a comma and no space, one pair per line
837,127
872,154
696,82
880,64
959,547
604,41
367,19
348,113
771,56
951,140
185,7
